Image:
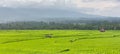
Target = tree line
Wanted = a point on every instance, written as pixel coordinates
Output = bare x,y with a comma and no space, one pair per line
68,25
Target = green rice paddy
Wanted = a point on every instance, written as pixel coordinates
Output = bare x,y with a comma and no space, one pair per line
59,42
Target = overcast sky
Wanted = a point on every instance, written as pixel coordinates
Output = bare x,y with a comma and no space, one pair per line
99,7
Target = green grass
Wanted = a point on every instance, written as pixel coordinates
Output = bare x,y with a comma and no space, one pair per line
62,42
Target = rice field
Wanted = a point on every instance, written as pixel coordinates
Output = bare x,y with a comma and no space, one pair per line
59,42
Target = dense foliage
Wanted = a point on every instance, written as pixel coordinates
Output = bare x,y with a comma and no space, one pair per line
65,24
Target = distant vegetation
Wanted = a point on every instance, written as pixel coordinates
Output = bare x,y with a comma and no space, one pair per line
84,24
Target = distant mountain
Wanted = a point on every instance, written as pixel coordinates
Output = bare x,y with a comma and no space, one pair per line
39,14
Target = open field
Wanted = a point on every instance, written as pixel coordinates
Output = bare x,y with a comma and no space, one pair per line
59,42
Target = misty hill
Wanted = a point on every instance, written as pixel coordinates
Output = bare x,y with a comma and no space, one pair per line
48,18
42,14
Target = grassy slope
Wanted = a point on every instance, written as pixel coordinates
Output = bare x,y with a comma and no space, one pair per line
77,41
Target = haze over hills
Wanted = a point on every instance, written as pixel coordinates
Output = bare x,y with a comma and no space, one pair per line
59,14
37,10
39,14
53,18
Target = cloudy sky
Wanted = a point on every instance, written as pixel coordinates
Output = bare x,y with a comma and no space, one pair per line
97,7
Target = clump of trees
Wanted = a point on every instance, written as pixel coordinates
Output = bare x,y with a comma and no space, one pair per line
72,25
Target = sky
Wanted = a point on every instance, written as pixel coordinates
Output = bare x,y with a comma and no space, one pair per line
96,7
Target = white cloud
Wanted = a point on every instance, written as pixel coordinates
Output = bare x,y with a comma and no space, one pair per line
97,5
101,5
24,3
78,3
